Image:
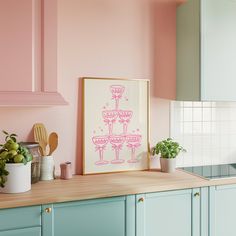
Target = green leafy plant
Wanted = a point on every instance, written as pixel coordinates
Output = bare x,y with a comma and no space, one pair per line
168,149
11,152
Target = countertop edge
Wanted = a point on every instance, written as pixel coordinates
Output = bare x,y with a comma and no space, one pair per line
85,188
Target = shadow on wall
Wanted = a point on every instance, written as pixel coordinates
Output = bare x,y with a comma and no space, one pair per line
79,141
30,136
163,15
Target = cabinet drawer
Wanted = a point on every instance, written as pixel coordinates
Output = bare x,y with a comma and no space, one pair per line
21,217
102,217
36,231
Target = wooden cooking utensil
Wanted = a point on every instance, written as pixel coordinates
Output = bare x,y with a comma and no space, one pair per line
40,134
42,149
53,142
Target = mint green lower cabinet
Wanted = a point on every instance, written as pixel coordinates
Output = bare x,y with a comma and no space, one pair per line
106,217
20,221
207,211
172,213
222,210
36,231
20,217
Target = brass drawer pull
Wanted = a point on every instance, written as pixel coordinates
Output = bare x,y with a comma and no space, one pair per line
197,194
48,210
141,199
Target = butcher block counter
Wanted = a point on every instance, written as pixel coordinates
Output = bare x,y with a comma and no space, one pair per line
106,185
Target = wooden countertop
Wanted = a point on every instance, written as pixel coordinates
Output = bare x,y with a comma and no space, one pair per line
105,185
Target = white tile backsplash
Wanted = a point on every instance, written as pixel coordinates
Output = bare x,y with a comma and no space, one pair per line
207,130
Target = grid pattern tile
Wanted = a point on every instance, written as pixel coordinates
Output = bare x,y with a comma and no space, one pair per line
207,130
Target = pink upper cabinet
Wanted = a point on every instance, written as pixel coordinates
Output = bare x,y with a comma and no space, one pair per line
16,45
28,53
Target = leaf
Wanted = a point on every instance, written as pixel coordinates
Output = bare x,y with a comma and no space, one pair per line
28,157
13,138
5,132
168,148
24,161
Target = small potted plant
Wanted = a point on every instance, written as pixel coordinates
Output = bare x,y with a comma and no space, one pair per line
15,166
168,150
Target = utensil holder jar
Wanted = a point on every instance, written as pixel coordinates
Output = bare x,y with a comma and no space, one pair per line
47,168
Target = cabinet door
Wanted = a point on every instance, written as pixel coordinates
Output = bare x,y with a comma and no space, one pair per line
218,50
28,53
188,51
170,213
18,44
20,217
36,231
222,210
111,216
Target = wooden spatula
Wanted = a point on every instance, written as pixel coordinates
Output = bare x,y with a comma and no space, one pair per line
53,142
40,134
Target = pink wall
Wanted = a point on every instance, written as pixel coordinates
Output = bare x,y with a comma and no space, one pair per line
99,38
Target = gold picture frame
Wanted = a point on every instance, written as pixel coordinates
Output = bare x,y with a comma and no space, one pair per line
113,136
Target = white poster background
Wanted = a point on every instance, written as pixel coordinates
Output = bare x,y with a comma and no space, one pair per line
97,98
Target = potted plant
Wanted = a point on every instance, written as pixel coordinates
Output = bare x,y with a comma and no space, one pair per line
169,150
15,166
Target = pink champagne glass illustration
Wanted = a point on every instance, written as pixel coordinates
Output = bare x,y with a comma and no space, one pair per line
117,91
134,141
110,118
125,117
117,143
100,142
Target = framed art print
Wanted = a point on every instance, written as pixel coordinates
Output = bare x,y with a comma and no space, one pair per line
115,125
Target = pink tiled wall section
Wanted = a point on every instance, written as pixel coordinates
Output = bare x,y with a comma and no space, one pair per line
207,130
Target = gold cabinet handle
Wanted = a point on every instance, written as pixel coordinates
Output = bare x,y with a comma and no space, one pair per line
197,194
141,199
48,210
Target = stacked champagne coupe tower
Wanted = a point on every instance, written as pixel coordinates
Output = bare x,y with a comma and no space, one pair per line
110,117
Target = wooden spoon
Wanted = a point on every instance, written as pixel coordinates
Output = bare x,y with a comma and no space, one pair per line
53,142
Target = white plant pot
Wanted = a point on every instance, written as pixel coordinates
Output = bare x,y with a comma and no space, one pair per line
47,168
19,178
168,165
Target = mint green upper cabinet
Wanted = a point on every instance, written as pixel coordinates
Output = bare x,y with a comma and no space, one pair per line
206,50
172,213
107,217
188,51
218,50
222,210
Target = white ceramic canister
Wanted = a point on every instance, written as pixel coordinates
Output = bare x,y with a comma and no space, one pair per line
47,168
18,179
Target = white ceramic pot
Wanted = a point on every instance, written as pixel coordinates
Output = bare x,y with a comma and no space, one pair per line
47,168
19,178
168,165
